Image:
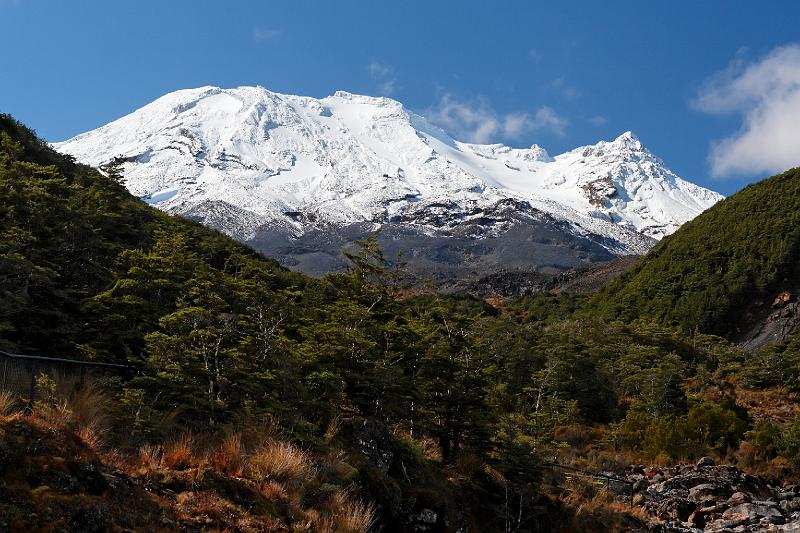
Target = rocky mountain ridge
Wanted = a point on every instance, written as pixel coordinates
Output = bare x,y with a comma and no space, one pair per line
251,163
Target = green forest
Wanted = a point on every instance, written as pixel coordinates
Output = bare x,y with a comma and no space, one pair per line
468,400
747,247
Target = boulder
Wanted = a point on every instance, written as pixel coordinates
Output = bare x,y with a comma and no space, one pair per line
753,513
738,498
705,461
706,491
641,485
423,521
791,527
790,505
675,509
722,526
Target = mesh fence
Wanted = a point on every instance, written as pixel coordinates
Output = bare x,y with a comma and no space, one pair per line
28,375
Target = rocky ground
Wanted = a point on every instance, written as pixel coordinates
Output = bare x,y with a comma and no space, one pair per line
713,498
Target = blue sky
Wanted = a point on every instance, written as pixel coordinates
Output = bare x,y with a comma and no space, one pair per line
708,86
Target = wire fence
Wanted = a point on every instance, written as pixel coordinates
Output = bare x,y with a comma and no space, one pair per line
23,374
575,479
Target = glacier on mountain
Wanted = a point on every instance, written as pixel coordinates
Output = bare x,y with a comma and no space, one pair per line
247,158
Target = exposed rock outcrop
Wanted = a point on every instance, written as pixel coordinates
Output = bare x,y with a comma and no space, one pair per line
710,498
769,323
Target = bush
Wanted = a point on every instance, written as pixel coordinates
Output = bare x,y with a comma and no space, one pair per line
707,427
790,442
715,426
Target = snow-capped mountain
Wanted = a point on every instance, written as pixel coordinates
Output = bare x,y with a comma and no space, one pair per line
247,160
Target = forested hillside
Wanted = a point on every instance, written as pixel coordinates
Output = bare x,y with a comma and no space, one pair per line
707,274
279,398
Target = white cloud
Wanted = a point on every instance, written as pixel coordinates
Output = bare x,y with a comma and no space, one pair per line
378,70
598,120
565,89
766,93
264,34
478,122
545,118
383,76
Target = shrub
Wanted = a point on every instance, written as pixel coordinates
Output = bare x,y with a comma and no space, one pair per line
764,439
790,442
715,426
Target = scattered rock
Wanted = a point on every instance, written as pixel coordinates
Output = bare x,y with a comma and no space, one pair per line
706,491
753,513
676,509
713,498
790,506
640,485
705,461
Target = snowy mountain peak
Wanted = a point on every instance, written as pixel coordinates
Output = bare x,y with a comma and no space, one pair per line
629,139
250,158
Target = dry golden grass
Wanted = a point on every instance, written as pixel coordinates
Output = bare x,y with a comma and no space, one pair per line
7,403
775,404
179,453
80,407
55,414
304,499
90,409
204,503
272,490
229,457
150,456
280,461
589,511
92,438
350,515
332,429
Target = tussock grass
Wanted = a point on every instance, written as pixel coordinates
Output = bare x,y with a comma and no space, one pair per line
351,515
179,453
7,403
230,456
280,461
595,511
254,459
90,414
150,456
